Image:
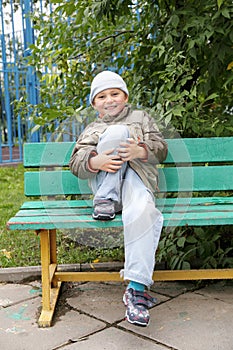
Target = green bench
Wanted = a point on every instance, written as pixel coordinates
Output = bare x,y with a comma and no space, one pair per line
202,165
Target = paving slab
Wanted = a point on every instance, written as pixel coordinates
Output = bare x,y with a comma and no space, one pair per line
222,290
101,300
14,293
192,321
173,288
19,329
114,339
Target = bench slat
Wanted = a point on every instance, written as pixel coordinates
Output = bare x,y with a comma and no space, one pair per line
86,221
166,209
54,212
161,202
214,149
60,182
203,178
57,204
47,154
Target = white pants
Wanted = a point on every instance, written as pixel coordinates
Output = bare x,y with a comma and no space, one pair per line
142,221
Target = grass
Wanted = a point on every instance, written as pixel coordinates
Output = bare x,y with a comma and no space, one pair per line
22,248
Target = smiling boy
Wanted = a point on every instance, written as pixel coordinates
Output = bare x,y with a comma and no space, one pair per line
118,154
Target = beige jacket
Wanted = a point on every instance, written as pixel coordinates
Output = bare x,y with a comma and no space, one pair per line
142,128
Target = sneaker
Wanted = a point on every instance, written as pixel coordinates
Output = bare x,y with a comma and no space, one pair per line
104,210
137,305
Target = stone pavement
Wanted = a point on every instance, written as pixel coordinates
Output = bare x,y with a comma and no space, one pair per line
88,316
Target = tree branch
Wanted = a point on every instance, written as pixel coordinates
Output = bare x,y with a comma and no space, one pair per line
113,36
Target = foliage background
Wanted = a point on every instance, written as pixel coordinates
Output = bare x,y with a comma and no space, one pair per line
176,57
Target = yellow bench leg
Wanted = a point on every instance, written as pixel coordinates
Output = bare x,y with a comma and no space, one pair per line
50,285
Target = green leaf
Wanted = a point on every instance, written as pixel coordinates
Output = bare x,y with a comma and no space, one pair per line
181,242
225,13
174,262
178,111
185,265
191,240
211,97
168,118
175,20
35,128
220,2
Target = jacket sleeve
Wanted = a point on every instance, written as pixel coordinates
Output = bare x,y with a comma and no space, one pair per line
85,147
157,147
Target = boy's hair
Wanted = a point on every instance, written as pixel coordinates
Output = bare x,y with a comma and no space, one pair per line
107,80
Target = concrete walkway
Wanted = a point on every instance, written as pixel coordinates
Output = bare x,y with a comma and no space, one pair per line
91,316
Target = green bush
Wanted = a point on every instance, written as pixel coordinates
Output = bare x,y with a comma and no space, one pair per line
197,247
175,56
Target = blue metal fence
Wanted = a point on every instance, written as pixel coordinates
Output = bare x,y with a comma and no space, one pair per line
16,79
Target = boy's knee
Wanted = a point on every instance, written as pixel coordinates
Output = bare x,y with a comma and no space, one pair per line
112,137
117,131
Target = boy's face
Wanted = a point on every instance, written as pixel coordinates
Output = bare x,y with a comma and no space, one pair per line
110,101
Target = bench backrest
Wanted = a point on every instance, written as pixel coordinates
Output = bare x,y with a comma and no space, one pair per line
200,164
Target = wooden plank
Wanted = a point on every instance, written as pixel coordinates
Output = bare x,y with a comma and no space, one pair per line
197,209
52,270
47,154
50,289
45,262
215,149
200,178
50,183
54,212
160,202
198,219
49,204
182,179
184,275
88,211
169,275
194,201
46,316
86,221
62,222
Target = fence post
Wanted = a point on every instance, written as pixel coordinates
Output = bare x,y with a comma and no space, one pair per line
31,79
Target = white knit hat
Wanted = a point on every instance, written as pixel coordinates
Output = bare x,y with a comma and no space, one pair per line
106,80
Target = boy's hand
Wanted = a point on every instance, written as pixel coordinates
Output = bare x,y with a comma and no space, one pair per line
131,150
106,161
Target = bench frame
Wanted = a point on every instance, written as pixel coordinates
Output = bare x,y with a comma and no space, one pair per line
52,276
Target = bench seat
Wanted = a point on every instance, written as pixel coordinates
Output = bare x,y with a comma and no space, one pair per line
78,214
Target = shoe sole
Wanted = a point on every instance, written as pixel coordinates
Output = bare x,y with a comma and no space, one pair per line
103,217
136,323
